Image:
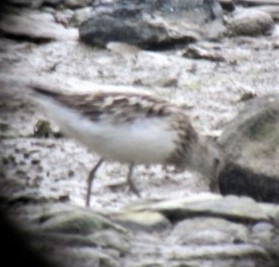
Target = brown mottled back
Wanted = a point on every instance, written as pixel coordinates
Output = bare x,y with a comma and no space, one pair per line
124,107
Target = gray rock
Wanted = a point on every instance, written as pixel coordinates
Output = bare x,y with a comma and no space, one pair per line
35,26
77,3
238,209
111,239
35,3
272,247
207,231
267,236
151,23
197,52
53,2
64,16
202,255
80,15
71,236
249,22
205,252
262,232
76,221
30,3
251,145
82,257
258,2
272,10
142,221
227,5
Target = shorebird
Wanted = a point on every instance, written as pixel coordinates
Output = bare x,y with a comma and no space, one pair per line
132,128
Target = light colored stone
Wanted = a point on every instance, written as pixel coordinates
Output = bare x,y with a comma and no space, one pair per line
251,145
249,22
31,3
195,51
142,221
37,26
76,221
206,231
239,208
258,2
111,239
77,3
204,252
80,16
272,10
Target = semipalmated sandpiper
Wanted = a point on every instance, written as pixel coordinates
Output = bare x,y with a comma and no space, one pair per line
132,128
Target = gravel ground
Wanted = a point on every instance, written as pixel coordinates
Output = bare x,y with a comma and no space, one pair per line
210,91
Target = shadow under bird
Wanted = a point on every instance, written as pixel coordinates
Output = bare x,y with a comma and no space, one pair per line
132,128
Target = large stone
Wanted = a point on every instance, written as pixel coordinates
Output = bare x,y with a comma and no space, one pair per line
258,2
151,23
251,145
38,3
142,221
231,207
273,11
77,3
227,5
72,236
67,250
29,3
249,22
35,26
77,221
207,231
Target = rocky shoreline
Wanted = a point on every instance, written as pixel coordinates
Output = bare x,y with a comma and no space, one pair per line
228,83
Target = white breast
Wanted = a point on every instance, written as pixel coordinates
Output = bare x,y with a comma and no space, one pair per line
144,141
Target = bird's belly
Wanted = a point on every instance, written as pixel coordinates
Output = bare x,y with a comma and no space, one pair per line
143,141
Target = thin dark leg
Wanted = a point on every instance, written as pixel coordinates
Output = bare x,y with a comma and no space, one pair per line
90,179
130,181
